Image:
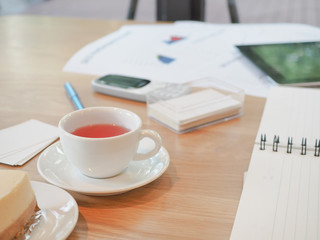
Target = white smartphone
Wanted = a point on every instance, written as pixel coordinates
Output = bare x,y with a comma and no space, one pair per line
124,86
134,88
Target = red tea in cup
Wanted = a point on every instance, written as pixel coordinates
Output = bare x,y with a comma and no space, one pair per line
100,131
97,154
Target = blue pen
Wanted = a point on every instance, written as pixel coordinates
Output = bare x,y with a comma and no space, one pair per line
73,95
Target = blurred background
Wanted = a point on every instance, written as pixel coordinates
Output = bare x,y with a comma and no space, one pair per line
215,11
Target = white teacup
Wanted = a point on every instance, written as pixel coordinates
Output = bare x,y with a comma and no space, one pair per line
107,156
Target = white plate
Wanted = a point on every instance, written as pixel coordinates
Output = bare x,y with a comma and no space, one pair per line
56,169
59,212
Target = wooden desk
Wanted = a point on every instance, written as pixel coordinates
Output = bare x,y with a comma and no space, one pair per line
198,195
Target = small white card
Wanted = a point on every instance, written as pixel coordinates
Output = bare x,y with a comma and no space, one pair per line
21,142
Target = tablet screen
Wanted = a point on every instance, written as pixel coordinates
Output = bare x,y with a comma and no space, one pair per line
287,63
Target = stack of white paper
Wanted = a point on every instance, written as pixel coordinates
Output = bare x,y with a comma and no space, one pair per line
21,142
195,109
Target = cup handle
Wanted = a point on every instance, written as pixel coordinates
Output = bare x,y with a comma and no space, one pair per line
147,133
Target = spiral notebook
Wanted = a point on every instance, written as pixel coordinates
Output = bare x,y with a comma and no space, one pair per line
281,194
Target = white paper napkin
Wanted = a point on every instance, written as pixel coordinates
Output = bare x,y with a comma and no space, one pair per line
21,142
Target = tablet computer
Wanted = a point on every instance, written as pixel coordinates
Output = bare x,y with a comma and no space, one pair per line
296,64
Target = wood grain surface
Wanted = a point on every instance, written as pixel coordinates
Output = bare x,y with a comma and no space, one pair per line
196,198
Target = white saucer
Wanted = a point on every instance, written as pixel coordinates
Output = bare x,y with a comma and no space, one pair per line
59,212
56,169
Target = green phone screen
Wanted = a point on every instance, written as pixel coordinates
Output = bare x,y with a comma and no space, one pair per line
123,81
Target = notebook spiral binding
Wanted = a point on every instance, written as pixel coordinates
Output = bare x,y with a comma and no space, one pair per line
276,141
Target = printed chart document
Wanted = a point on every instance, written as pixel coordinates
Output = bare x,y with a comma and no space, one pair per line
281,195
185,51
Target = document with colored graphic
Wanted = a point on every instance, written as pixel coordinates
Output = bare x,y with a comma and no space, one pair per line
151,52
186,51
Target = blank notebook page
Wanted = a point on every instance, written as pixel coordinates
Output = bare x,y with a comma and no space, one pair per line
281,197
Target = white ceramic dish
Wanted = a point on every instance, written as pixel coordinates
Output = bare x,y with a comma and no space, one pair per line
59,212
56,169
